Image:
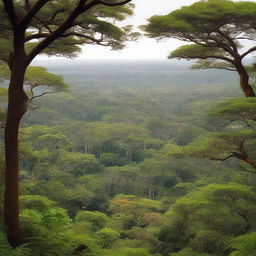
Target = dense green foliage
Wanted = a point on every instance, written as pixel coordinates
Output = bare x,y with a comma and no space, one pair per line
217,29
162,170
95,27
101,176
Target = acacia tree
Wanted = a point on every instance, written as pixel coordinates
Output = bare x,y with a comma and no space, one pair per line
37,81
217,30
237,140
29,28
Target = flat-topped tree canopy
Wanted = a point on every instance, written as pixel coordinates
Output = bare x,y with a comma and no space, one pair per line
92,25
207,17
217,29
38,82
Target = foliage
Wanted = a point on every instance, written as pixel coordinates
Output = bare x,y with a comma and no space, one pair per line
218,30
244,245
99,20
97,219
89,159
106,237
194,220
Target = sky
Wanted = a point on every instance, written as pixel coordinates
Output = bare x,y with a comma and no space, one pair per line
145,48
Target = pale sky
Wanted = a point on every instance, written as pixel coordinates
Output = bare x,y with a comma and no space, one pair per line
145,48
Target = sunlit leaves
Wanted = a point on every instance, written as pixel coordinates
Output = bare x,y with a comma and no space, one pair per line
193,51
244,245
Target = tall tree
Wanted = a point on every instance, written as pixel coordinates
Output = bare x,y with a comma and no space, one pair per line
29,28
217,30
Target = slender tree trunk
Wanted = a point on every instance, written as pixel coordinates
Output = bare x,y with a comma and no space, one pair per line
17,106
242,155
244,81
247,159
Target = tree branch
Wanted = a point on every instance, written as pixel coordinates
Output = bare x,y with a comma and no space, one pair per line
232,43
209,67
10,10
39,95
211,57
56,13
36,36
81,7
59,31
83,36
248,52
114,3
32,12
223,159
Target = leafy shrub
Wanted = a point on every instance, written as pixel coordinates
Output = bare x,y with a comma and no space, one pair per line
244,245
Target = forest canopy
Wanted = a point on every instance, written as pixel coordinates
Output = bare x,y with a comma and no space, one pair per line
127,158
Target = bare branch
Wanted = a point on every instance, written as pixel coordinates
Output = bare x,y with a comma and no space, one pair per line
39,95
253,49
245,38
232,43
114,3
223,159
44,24
83,36
36,36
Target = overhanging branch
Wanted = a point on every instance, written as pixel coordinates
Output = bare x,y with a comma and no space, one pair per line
253,49
59,31
208,57
82,6
114,3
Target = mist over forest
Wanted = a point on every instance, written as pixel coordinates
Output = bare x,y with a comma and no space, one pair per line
89,74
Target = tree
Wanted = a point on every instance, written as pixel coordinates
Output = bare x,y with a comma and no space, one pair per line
237,140
37,81
216,29
97,219
79,164
204,220
106,237
43,221
28,29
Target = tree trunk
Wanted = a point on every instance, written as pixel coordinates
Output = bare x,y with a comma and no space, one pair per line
17,106
243,156
250,161
244,81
